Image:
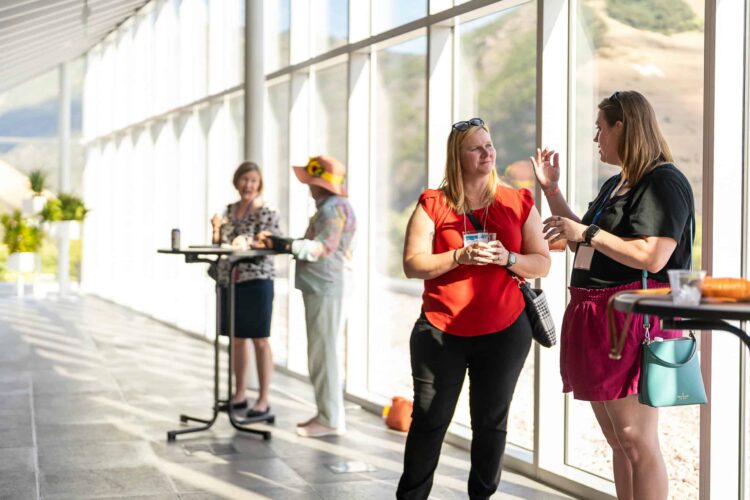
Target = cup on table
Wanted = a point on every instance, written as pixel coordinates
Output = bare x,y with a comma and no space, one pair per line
686,286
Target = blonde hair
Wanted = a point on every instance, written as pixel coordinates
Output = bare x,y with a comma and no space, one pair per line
642,145
453,184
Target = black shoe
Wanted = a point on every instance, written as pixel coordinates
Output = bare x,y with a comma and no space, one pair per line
235,406
258,413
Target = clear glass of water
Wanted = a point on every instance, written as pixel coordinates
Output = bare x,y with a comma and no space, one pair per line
686,286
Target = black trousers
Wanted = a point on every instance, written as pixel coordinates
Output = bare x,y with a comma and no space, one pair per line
439,362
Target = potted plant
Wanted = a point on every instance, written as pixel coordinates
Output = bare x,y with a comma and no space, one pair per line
72,207
64,215
22,239
34,205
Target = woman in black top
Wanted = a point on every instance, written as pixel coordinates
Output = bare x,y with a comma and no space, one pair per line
638,226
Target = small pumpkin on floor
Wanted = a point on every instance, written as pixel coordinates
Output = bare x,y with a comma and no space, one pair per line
398,414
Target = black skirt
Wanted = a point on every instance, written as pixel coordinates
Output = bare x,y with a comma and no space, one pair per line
252,311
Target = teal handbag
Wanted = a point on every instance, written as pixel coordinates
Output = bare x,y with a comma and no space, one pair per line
670,373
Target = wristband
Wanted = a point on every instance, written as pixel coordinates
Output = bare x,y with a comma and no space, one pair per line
455,257
551,192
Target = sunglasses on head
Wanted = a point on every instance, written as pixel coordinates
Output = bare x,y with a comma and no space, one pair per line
615,97
463,126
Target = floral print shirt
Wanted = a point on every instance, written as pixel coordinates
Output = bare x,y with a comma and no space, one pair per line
262,219
329,271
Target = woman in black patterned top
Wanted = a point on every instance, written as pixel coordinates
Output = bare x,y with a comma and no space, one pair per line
239,226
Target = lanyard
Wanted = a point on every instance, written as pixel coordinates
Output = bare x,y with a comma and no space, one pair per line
246,211
646,324
475,221
605,203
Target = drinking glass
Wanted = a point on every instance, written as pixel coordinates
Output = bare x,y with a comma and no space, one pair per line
686,286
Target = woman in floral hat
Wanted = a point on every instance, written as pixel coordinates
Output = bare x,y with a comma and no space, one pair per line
323,275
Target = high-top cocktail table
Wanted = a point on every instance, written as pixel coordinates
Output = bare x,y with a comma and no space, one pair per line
209,255
708,315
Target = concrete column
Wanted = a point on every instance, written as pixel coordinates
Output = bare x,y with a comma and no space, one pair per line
63,134
254,89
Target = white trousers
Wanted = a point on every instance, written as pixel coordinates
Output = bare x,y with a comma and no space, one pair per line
324,320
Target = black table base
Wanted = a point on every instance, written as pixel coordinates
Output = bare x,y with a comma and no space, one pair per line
237,424
193,255
696,324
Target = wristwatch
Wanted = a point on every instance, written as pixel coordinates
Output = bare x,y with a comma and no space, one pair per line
590,233
511,259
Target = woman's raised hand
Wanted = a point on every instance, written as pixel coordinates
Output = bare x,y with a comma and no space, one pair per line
546,168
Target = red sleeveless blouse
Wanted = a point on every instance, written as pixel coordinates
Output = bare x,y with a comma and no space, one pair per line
475,300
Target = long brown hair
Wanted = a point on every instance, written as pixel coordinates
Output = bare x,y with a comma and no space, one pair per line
453,184
642,145
245,167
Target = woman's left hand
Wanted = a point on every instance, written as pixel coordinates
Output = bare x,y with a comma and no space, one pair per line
558,228
500,253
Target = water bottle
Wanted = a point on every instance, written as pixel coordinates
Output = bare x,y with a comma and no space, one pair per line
175,239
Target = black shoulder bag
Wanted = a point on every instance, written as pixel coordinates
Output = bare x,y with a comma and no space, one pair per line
537,309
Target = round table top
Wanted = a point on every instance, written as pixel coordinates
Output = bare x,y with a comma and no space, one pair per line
662,305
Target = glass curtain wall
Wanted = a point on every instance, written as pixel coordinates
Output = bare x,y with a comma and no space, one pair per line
657,50
276,156
317,107
163,132
331,21
399,176
160,153
388,14
328,120
492,56
277,20
500,87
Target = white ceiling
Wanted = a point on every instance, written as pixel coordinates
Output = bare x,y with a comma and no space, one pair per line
37,35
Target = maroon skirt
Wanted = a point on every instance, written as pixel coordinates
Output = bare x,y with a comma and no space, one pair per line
585,366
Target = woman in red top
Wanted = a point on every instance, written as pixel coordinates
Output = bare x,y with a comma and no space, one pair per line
473,312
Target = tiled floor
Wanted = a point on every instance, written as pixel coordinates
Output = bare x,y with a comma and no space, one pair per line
88,390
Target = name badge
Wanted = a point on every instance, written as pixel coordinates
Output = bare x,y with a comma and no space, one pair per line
476,237
584,255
